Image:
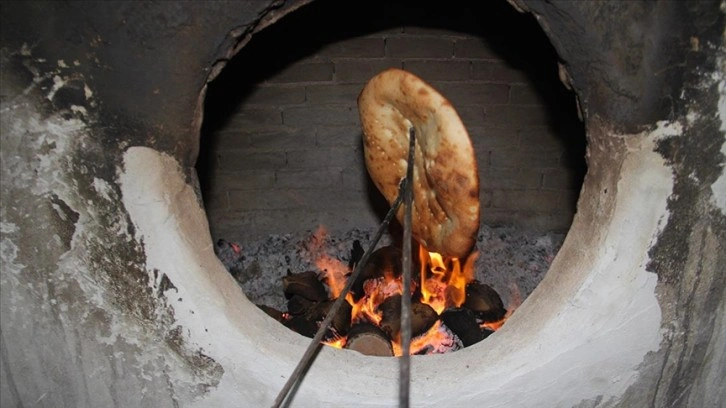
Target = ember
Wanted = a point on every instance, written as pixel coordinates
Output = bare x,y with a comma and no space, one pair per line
451,307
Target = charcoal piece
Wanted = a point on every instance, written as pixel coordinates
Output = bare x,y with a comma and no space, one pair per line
384,261
462,322
423,317
298,305
356,253
484,301
301,325
305,284
341,321
272,312
368,339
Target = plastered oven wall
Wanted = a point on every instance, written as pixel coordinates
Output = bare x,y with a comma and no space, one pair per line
110,294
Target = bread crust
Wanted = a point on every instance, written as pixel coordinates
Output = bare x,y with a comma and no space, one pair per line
445,177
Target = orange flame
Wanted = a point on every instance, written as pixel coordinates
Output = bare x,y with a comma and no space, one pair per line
334,270
443,281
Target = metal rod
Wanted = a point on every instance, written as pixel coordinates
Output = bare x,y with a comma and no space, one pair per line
315,345
405,366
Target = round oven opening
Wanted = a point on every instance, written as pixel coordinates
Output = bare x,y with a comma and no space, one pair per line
281,162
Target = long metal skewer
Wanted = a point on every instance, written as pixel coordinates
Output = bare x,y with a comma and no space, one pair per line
315,345
405,365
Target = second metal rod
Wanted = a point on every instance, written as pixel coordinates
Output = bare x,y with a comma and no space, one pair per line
405,367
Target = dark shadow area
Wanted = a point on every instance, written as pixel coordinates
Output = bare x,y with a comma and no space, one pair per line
517,38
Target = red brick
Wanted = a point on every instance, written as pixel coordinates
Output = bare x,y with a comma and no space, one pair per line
439,70
493,178
361,71
525,95
470,115
338,136
305,72
317,115
255,118
488,138
324,157
358,47
561,179
252,179
498,71
527,200
526,157
473,48
295,199
265,139
313,179
474,93
235,160
419,47
275,95
322,94
516,115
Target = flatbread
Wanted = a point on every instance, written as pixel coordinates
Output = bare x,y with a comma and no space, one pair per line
445,177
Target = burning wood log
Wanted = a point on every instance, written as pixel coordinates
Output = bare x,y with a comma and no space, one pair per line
484,301
423,317
383,261
462,322
305,284
341,320
298,305
368,339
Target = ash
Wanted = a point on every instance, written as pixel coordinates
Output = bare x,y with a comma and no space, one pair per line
511,260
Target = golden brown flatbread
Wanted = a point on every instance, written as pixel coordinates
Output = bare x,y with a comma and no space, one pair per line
446,181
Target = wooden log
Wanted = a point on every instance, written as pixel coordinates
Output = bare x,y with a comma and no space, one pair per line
484,301
462,322
423,317
383,260
299,306
305,284
341,321
370,340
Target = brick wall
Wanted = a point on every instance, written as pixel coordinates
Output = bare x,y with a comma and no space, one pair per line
281,151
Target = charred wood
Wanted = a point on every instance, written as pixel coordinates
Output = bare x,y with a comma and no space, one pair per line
423,317
305,284
384,261
485,302
298,305
368,339
462,322
341,320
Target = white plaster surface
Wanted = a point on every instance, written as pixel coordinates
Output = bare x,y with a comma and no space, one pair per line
581,335
719,187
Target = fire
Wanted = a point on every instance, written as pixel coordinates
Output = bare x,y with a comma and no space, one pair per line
442,284
334,270
443,281
376,290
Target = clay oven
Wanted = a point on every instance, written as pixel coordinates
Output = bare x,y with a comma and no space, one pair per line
112,294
